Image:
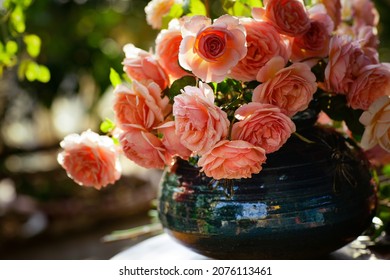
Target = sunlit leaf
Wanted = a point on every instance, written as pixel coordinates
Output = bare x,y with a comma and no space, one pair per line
107,125
178,85
197,8
33,43
17,20
44,74
11,47
176,11
115,78
32,71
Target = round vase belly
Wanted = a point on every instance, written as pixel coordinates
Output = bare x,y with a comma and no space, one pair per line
310,199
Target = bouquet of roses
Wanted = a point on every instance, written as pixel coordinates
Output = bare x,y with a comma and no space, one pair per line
222,90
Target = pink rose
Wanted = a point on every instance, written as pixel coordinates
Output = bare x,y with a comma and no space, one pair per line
232,160
90,160
289,17
200,124
377,122
314,43
364,13
262,125
263,42
172,142
346,58
372,82
141,105
156,10
377,156
290,88
211,50
333,9
167,50
143,147
143,67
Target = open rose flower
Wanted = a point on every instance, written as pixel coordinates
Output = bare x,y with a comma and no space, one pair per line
377,124
289,17
262,125
333,9
172,142
264,43
143,66
290,88
90,160
156,10
232,160
211,50
143,147
346,58
314,43
167,50
141,105
364,13
200,124
372,82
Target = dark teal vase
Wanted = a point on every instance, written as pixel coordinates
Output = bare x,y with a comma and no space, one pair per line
309,200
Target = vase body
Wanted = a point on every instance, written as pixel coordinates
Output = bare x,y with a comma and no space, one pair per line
309,200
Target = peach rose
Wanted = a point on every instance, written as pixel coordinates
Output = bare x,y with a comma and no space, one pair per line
289,17
290,88
372,82
314,43
346,58
143,67
90,160
200,124
232,160
262,125
143,147
211,50
172,142
263,42
141,105
156,10
377,124
167,50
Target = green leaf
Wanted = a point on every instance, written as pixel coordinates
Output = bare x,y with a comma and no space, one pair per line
44,74
32,71
11,47
178,85
115,78
33,43
241,7
107,126
197,8
386,170
176,11
17,20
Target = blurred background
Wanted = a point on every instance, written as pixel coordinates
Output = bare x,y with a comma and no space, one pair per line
43,214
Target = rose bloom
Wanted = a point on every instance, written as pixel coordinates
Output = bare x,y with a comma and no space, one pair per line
262,125
232,160
141,105
172,142
377,124
156,10
346,58
200,124
378,156
289,17
143,147
263,42
167,50
89,159
290,88
314,43
364,13
142,66
372,82
211,50
333,9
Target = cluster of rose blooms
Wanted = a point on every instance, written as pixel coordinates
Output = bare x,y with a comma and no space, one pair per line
277,47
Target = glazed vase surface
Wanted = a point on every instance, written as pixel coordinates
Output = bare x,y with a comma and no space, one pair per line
313,196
